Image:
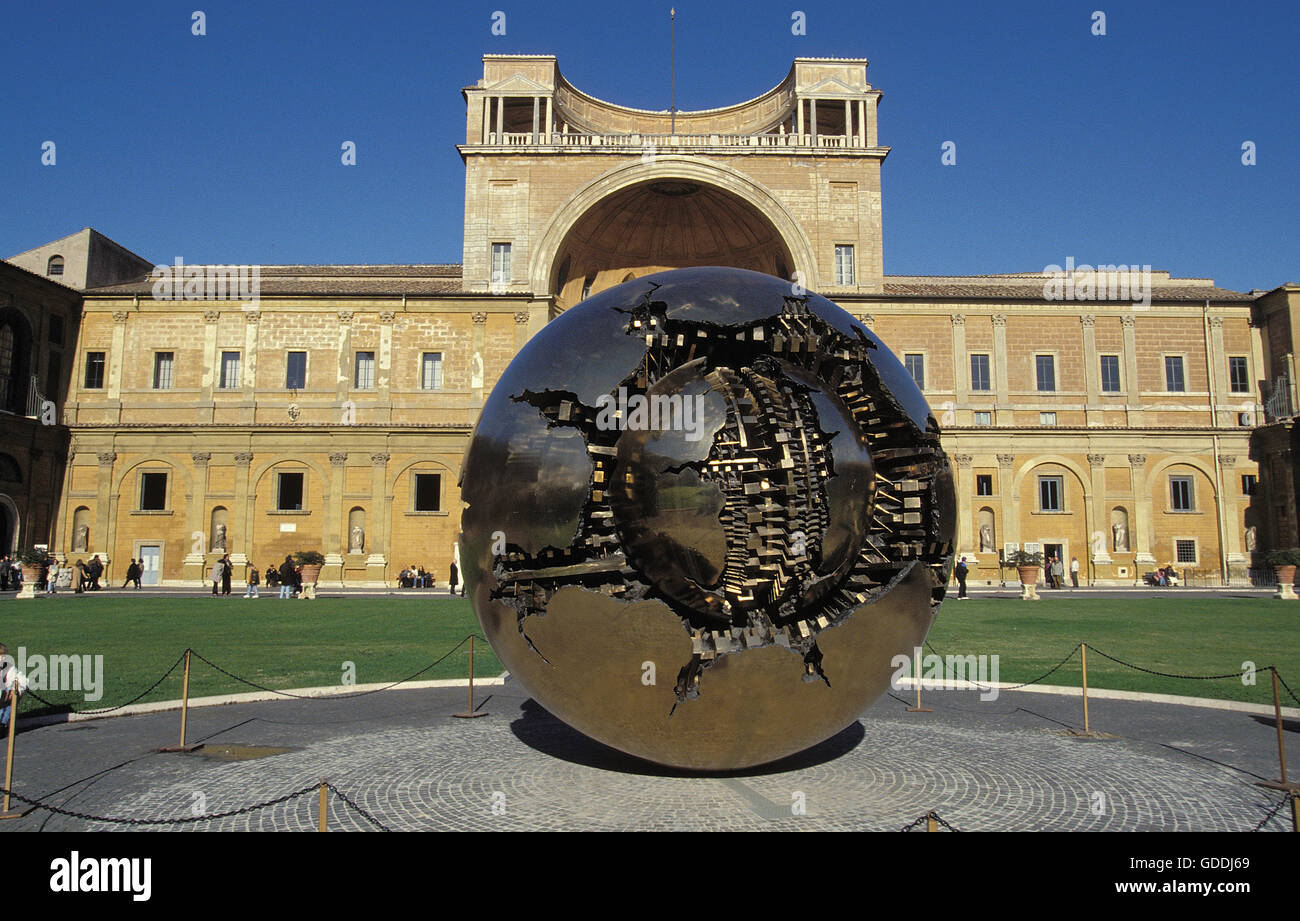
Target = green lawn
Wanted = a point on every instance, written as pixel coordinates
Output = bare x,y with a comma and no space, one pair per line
277,644
304,644
1165,634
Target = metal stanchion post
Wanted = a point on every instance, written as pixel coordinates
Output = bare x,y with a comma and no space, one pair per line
1282,783
930,823
323,810
470,713
1083,648
185,705
917,678
9,760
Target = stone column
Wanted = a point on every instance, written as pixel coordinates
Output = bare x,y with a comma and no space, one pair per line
521,329
487,119
193,568
1100,518
344,382
1000,362
249,370
208,380
501,119
243,510
550,120
116,361
1091,371
106,505
1131,370
476,356
1010,499
378,522
799,119
333,525
1221,386
965,526
383,412
960,363
1141,526
812,117
1230,510
848,122
537,118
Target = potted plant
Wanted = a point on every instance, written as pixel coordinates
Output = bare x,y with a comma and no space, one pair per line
311,561
1283,561
1027,565
33,563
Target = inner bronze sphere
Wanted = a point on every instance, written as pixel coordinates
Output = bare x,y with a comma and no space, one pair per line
705,511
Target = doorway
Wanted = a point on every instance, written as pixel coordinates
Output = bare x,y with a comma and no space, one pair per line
150,563
1056,550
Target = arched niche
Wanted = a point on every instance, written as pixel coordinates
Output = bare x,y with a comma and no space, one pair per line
986,531
219,540
1121,538
81,530
357,530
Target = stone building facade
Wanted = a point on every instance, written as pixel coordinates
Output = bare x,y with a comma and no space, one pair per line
330,410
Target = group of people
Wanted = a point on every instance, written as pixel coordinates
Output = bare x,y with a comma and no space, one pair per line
287,577
416,577
1163,577
1054,572
84,576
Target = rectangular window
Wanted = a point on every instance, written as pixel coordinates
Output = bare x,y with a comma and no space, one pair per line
162,370
153,492
364,379
979,372
428,492
289,492
501,263
984,484
983,418
229,370
1239,373
431,371
1174,382
915,365
1249,483
1180,494
1045,368
1048,419
94,370
843,265
1110,374
54,377
1051,491
1185,550
295,371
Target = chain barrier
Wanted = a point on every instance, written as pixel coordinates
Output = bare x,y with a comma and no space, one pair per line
186,820
253,684
928,816
1272,812
1015,687
50,703
1236,674
366,815
1287,686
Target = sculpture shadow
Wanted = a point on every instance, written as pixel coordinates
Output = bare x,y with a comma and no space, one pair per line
544,733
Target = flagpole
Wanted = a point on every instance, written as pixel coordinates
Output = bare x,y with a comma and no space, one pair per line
672,15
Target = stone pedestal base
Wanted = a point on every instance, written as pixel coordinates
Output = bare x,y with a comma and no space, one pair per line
1284,593
308,592
28,590
1028,592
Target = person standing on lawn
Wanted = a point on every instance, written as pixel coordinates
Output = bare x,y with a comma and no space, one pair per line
286,578
225,575
960,571
1074,571
253,580
215,575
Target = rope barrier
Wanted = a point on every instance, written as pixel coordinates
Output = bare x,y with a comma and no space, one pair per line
932,820
1287,686
365,815
1236,674
185,820
1015,687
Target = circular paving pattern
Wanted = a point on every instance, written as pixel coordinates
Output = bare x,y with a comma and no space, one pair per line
528,771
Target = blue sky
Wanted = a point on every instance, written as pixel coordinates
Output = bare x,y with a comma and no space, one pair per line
1123,148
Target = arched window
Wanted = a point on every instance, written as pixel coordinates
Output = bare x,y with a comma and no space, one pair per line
6,366
54,266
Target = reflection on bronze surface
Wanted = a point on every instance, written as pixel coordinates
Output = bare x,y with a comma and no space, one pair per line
704,514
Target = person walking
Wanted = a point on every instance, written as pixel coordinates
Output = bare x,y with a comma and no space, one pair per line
454,578
52,577
286,578
225,575
139,572
132,574
78,577
96,570
960,571
1074,571
1058,573
253,580
215,575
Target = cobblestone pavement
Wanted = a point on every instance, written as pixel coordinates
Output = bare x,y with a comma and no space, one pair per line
1007,764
